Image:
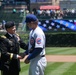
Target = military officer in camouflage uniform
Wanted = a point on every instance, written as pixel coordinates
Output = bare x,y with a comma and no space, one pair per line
10,44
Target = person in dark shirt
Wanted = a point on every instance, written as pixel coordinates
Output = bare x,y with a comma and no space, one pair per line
10,44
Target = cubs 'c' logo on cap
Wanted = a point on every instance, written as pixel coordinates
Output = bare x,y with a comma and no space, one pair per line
38,40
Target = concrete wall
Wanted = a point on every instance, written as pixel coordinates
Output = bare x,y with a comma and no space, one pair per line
67,4
55,2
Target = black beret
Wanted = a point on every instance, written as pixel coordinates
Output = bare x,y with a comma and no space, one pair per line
9,24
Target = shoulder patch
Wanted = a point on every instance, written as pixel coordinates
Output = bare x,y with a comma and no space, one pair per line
38,40
3,36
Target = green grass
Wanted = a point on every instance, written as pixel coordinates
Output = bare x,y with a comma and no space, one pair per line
61,68
24,69
56,68
61,50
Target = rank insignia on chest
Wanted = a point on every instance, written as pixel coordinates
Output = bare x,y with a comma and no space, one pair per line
10,42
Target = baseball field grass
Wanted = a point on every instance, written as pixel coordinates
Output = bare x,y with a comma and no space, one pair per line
56,68
61,51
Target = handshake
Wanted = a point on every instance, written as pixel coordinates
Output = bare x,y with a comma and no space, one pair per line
22,55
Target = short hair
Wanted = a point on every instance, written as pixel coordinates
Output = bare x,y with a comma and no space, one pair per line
9,24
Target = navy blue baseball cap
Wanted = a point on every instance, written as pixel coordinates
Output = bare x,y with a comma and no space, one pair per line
30,18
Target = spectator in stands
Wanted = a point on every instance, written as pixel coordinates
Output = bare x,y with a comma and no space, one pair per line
48,12
3,24
27,11
0,26
14,10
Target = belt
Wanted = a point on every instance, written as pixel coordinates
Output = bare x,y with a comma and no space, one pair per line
43,56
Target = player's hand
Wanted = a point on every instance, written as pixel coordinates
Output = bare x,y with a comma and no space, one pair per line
26,60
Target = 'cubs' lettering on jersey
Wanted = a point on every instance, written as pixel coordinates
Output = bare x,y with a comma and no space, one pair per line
38,40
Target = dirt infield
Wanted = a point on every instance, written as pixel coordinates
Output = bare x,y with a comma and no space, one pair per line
59,58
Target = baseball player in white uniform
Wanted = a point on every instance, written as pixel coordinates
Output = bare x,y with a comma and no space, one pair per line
36,47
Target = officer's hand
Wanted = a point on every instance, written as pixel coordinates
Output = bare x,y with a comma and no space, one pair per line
22,54
18,38
19,57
